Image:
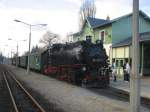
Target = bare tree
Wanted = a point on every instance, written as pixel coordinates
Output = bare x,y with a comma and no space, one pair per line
37,49
87,9
49,38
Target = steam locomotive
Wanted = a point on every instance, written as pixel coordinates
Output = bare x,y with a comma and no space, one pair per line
81,63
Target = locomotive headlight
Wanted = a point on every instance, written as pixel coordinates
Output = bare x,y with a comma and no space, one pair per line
96,60
84,68
93,60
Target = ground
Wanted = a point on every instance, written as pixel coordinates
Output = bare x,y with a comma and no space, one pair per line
71,98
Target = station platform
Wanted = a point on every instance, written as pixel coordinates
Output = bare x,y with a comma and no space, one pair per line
70,98
124,86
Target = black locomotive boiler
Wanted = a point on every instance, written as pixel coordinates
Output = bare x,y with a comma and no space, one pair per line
81,62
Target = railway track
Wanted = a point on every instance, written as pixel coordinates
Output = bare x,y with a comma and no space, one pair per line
20,97
5,101
109,92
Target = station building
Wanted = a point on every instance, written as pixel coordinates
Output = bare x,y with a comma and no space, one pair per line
116,35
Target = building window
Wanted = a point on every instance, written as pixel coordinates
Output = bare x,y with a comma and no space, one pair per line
117,63
87,37
102,35
121,63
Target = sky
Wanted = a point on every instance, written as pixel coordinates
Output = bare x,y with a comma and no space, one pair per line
60,15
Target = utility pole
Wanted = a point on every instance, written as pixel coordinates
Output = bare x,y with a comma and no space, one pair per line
28,67
135,76
17,41
17,56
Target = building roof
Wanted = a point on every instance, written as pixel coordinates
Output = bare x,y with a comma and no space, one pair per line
124,16
94,22
145,36
126,42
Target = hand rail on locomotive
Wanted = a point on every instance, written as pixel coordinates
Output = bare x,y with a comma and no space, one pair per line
104,71
73,66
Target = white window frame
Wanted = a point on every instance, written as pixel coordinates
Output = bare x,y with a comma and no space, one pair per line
100,38
86,36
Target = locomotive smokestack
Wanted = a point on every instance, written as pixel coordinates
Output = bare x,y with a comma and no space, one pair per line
89,39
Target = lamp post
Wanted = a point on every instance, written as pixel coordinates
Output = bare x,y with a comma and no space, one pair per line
30,26
17,41
4,59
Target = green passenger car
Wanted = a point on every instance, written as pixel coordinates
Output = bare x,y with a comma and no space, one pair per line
35,61
23,61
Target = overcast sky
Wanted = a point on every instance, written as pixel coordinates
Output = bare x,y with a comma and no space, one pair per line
60,15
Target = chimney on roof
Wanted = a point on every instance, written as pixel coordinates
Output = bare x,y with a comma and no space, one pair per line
108,18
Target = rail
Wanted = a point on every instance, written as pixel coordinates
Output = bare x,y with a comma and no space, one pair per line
10,92
35,103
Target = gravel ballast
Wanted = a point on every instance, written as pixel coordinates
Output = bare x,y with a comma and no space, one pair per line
68,97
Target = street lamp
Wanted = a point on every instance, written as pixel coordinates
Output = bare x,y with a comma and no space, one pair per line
17,41
30,26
